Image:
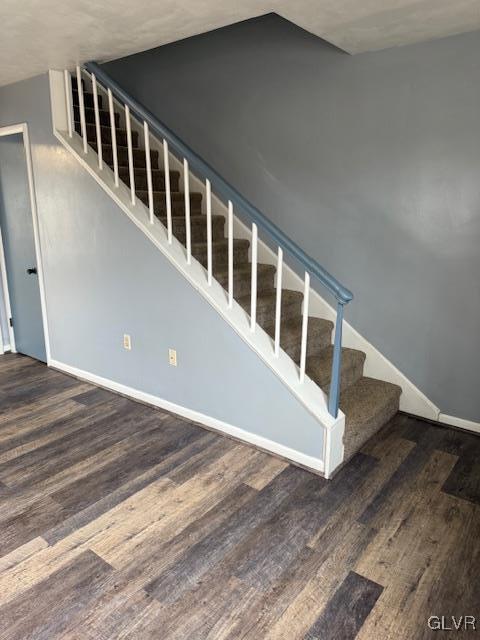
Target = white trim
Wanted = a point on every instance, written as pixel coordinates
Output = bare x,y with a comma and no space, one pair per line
6,299
310,462
61,115
461,423
11,129
23,129
36,235
333,449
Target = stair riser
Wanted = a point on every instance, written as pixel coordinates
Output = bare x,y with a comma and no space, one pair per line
375,424
139,159
349,375
178,208
315,344
158,180
220,255
87,100
106,135
177,199
242,285
198,230
90,117
266,313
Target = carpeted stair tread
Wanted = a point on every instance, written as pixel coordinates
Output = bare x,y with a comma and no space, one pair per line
318,336
106,134
368,405
244,271
195,218
266,304
223,244
176,196
90,116
242,278
139,158
220,252
198,227
319,367
177,203
140,177
87,98
142,171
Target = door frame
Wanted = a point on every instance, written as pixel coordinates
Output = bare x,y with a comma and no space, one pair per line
22,128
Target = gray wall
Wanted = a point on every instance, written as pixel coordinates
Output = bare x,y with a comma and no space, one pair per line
104,279
371,163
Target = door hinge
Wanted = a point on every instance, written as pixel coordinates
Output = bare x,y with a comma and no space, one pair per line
11,322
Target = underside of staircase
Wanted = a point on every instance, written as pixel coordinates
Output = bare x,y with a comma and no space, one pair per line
367,403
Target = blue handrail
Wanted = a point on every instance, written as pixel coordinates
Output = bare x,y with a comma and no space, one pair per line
222,188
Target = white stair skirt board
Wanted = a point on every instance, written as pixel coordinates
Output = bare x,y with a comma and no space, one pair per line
297,457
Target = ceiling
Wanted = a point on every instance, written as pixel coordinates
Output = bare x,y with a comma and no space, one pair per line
36,36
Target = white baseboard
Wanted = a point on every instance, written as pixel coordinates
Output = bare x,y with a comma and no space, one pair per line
461,423
297,457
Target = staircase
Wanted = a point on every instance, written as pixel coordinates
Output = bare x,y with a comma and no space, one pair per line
366,403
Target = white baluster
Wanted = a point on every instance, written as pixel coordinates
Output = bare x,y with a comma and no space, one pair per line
68,101
97,123
81,104
303,349
230,254
278,303
209,232
113,133
168,197
253,300
131,172
188,231
148,168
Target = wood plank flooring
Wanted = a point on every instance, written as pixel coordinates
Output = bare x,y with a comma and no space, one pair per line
121,521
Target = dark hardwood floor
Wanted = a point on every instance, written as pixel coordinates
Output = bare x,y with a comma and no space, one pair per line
122,521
